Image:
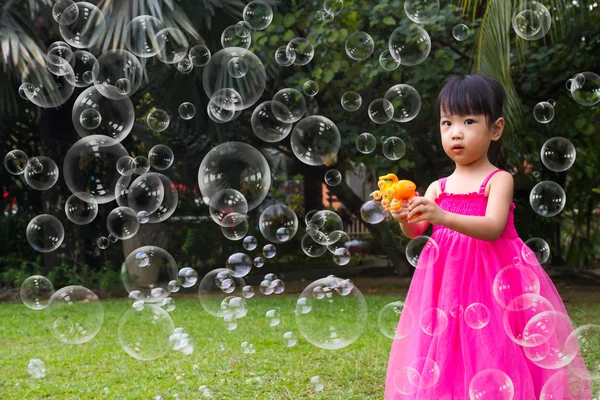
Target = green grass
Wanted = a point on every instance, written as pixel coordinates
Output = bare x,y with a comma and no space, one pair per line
100,369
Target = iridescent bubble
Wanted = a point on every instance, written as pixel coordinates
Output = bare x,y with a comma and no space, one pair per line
333,177
46,89
491,381
250,243
388,62
394,148
65,12
152,277
543,112
535,250
158,120
144,334
372,212
269,250
187,110
161,157
15,162
187,277
102,242
227,202
81,212
310,88
531,20
258,14
288,105
278,223
42,174
547,198
146,193
351,101
421,11
199,55
74,315
140,36
388,320
173,45
366,143
341,256
359,46
141,165
239,265
302,49
558,154
143,217
333,323
460,32
585,89
422,252
381,111
315,140
122,222
113,66
266,126
36,292
283,57
409,44
259,262
235,165
406,102
85,30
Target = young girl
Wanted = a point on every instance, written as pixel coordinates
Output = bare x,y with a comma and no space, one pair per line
479,321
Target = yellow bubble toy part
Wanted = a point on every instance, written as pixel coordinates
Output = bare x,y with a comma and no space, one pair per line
392,191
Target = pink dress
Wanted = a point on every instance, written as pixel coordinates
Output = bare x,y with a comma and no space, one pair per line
482,321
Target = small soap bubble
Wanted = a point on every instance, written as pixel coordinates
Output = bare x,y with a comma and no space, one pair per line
269,250
250,243
460,32
187,110
36,368
102,242
310,88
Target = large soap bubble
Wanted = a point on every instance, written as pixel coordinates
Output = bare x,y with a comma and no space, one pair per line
169,203
112,68
315,140
288,105
406,102
173,45
140,36
45,233
278,223
531,20
118,116
331,313
250,87
41,175
409,44
146,193
46,89
36,291
74,315
144,334
235,165
547,198
266,126
149,269
15,162
421,11
122,223
585,88
215,287
91,167
227,206
558,154
81,212
258,14
86,29
301,50
359,46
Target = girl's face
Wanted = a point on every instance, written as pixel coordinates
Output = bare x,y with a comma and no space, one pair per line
466,138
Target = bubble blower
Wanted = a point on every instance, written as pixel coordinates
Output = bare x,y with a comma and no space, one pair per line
392,192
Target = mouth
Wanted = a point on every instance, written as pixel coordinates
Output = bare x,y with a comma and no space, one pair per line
457,148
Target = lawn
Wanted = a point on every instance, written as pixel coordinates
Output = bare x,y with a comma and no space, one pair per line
100,369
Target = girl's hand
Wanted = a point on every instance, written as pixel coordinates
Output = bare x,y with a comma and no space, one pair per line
429,211
401,213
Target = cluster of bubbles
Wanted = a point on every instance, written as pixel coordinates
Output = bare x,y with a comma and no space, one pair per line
325,233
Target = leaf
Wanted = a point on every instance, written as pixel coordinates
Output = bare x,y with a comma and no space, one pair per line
328,75
333,36
289,20
335,66
580,124
288,35
389,20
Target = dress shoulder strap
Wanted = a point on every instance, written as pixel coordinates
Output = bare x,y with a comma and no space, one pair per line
482,188
442,184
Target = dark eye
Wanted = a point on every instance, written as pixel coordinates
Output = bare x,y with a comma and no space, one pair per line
467,121
446,122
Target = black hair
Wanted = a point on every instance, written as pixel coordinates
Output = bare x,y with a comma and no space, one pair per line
473,94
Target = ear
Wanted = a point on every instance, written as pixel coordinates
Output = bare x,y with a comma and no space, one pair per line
498,129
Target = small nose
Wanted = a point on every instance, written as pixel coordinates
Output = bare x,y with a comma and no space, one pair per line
456,133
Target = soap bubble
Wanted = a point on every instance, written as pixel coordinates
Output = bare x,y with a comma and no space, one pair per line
234,307
151,278
334,321
325,224
278,223
269,251
422,252
351,101
144,334
237,67
491,381
112,66
185,65
359,46
388,320
45,233
535,250
315,140
421,11
102,242
243,29
333,7
199,55
90,167
81,212
146,193
86,29
394,148
302,49
187,277
161,157
531,20
187,110
123,222
460,32
140,36
74,315
45,89
250,243
333,177
341,256
65,12
15,162
585,89
312,248
143,217
558,154
409,44
310,88
26,90
235,165
266,126
388,62
225,204
222,105
94,114
372,212
258,14
141,165
288,105
406,102
239,265
173,45
123,86
366,143
211,291
158,120
543,112
238,230
125,166
36,291
381,111
547,198
273,318
57,59
283,57
230,38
